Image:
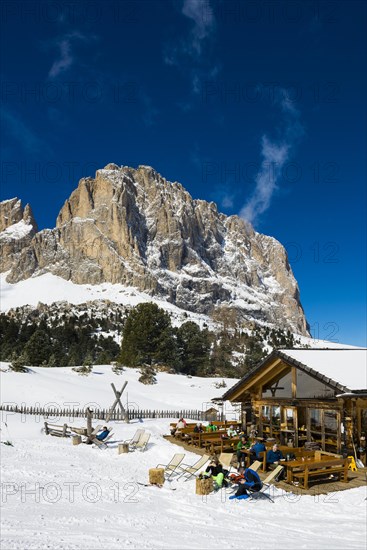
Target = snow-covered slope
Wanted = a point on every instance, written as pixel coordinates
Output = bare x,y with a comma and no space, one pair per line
64,387
64,497
50,289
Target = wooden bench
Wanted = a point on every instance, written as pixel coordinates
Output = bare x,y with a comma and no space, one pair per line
57,430
321,468
181,433
221,444
201,439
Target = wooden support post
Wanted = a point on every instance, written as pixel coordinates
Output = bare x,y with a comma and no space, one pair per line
123,448
204,486
156,476
89,422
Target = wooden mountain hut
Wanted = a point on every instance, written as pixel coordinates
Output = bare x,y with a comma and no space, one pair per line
303,395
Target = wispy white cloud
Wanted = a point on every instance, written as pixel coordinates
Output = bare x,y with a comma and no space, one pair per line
190,53
66,54
275,154
201,13
64,61
227,200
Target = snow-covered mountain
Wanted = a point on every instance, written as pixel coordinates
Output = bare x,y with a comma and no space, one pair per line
134,229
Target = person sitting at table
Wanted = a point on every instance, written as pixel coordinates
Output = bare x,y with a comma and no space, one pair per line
256,449
231,432
210,427
250,481
273,457
181,424
242,444
198,428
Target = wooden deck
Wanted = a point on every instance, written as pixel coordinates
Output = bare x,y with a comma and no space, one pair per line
355,479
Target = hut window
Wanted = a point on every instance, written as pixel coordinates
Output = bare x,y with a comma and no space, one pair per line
288,418
330,422
308,387
275,417
315,417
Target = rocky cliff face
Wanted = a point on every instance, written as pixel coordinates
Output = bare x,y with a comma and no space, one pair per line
17,227
133,227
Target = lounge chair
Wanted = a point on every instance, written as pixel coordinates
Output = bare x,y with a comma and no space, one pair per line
192,470
225,459
133,441
255,465
172,466
143,441
102,444
269,480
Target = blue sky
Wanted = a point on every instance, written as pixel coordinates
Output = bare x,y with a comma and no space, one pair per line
259,107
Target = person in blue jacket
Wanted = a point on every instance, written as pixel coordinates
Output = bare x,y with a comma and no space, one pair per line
273,456
257,448
104,433
251,481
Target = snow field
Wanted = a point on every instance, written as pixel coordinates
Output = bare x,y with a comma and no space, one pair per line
56,495
64,388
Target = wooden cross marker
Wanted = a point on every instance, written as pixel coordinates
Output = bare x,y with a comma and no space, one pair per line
117,402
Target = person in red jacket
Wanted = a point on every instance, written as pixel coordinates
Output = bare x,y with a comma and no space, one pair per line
251,481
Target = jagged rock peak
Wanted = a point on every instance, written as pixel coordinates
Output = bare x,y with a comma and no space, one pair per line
17,228
132,226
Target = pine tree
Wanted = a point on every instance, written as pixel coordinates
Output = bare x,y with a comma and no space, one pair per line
52,362
38,348
18,363
147,336
194,348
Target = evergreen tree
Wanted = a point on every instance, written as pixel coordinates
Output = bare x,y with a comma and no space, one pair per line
194,348
147,336
254,352
38,348
52,362
18,363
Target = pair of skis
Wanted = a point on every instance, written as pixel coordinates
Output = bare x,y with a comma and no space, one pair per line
158,485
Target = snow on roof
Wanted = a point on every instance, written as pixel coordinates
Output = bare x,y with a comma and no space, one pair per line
347,367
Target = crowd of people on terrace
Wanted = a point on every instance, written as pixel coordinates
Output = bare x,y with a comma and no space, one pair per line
251,445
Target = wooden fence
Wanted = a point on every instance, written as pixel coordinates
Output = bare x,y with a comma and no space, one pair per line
101,414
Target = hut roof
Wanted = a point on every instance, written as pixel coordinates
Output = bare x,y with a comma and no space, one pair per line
344,369
347,367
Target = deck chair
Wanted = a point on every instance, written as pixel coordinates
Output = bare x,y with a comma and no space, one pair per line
190,471
143,441
133,441
266,484
255,465
225,459
102,444
172,466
